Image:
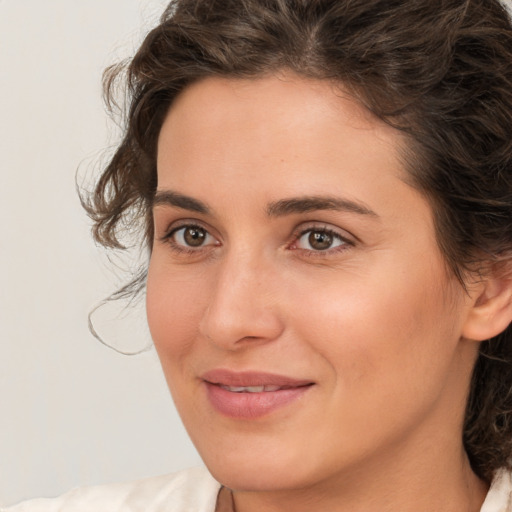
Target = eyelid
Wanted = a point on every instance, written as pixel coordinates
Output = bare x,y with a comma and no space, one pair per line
176,226
347,238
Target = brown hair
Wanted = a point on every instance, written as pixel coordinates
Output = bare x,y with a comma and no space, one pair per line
439,70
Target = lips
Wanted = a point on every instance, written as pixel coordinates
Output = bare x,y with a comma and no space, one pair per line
251,389
250,395
246,379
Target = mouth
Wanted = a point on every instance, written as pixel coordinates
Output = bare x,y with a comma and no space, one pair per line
254,389
251,395
252,381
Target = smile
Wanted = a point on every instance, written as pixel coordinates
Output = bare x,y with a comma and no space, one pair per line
252,395
253,389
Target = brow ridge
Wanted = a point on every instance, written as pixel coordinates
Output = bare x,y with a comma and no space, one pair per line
305,204
171,198
283,207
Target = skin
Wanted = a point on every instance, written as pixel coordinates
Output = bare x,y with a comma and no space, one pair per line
376,320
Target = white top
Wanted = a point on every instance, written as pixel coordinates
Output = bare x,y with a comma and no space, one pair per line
192,490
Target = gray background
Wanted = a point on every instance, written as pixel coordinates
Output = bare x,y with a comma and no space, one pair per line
72,412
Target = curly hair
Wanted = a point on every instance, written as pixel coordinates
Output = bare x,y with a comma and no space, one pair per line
438,70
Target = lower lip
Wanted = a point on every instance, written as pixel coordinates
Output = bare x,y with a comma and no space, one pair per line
251,405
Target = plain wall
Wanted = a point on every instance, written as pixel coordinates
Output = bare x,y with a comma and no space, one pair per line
72,411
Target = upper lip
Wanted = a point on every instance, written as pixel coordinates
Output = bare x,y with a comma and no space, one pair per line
251,378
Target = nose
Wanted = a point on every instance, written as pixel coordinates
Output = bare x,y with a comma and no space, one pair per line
244,305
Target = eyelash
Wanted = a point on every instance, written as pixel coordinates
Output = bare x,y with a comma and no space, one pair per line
345,244
181,249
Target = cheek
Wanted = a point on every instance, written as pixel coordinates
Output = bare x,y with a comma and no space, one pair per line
378,333
388,352
174,308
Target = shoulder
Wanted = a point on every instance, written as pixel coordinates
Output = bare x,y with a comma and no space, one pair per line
186,491
499,498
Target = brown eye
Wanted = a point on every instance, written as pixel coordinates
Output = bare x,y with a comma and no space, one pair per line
320,240
192,237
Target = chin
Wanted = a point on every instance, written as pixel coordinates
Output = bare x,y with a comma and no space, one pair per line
271,478
259,470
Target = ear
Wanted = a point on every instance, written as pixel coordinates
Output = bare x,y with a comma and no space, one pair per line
491,309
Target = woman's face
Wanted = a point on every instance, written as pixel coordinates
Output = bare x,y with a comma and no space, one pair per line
301,309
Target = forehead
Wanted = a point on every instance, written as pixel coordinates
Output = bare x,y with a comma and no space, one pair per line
278,91
281,93
274,118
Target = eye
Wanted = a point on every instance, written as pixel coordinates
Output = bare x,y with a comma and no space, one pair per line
320,240
191,237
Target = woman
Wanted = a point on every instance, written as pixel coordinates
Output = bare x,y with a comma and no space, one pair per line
325,188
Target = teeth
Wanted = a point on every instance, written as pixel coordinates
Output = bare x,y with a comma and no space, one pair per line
255,389
250,389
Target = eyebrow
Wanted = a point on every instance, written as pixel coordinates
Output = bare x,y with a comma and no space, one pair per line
307,204
283,207
170,198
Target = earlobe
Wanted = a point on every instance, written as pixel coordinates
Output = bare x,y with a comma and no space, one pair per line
491,311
